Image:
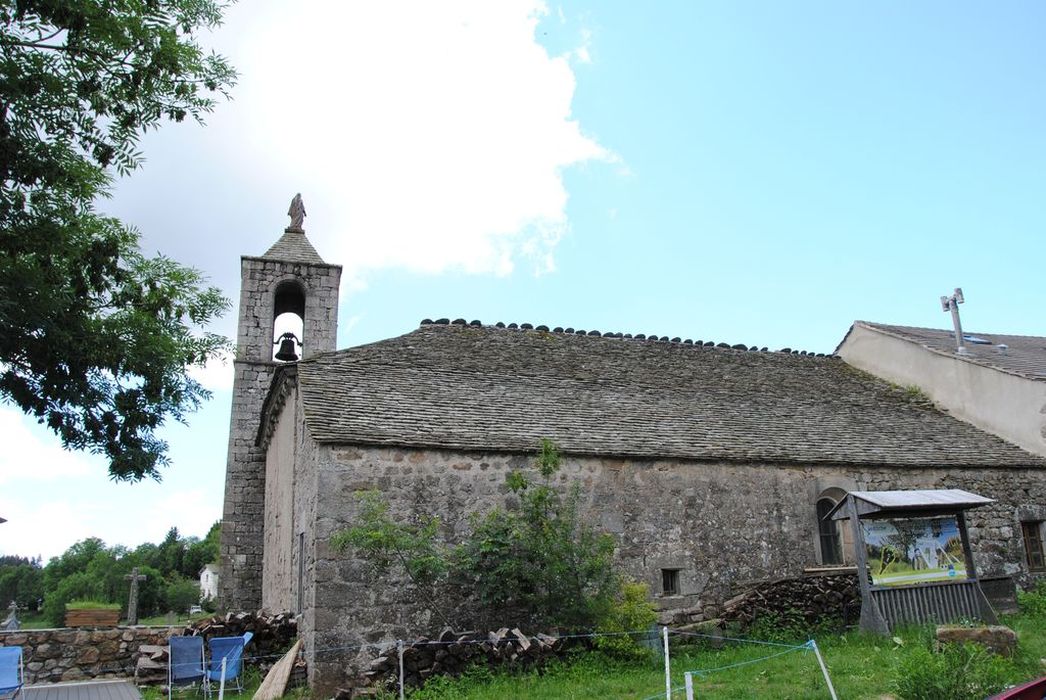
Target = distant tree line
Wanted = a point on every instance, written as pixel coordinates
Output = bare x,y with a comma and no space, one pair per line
89,570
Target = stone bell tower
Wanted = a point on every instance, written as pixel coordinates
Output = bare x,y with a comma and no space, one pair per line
290,278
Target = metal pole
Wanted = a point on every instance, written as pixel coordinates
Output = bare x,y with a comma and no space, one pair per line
688,680
668,670
221,685
824,669
399,646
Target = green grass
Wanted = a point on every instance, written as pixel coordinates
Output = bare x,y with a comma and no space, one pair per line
862,667
252,678
90,605
178,619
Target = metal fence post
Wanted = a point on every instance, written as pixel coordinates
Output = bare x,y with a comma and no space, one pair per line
824,669
688,679
399,647
668,669
221,686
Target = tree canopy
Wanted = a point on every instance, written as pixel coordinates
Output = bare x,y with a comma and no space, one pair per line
97,337
90,570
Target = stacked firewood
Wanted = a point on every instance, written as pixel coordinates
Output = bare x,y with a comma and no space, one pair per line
811,598
273,633
452,652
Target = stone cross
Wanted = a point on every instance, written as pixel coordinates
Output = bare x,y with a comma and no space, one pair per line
132,604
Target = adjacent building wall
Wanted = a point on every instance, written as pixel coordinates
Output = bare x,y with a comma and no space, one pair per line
1007,405
721,525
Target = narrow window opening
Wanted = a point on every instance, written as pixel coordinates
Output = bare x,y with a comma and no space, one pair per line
670,581
1032,531
831,547
301,572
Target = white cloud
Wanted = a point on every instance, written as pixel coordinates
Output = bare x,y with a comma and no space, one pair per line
216,375
27,456
422,135
43,528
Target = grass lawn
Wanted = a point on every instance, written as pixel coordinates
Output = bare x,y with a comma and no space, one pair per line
862,667
170,619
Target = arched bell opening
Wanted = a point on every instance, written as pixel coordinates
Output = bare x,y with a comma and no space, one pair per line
288,323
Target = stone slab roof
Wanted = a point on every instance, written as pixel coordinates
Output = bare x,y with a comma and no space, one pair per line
293,246
1025,355
473,387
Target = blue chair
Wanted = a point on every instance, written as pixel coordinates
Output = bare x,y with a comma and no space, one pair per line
12,675
185,665
231,650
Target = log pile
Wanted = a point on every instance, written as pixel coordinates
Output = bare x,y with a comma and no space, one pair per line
273,634
450,653
811,598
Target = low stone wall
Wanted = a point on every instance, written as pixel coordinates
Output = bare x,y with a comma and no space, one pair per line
79,654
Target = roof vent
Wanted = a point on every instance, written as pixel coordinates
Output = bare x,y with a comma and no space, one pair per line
1002,348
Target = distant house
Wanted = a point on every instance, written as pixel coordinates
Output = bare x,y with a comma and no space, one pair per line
997,383
209,582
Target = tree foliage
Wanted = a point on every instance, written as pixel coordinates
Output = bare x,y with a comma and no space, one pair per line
541,559
386,543
97,337
90,570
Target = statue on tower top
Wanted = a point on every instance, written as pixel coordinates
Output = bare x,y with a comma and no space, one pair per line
297,214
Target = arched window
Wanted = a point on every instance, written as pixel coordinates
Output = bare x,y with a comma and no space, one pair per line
288,318
831,546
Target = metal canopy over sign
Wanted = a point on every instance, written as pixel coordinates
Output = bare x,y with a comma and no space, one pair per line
914,559
893,503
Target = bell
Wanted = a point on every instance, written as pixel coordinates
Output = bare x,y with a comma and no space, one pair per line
287,353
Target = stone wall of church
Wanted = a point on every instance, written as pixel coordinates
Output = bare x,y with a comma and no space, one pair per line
721,525
278,571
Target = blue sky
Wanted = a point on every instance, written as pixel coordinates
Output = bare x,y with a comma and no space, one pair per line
763,173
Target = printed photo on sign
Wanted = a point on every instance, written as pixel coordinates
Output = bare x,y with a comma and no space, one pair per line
908,551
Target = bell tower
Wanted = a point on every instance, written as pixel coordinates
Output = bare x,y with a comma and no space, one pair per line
288,311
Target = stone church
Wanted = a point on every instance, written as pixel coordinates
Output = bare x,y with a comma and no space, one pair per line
710,464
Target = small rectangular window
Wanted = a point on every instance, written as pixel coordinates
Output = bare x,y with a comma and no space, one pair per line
1032,532
670,581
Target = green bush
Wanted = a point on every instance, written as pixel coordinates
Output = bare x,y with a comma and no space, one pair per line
180,594
1033,602
956,672
539,563
788,626
630,611
76,585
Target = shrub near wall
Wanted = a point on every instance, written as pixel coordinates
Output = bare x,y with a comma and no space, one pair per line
80,654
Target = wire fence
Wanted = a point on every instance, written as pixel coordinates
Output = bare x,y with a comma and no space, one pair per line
662,638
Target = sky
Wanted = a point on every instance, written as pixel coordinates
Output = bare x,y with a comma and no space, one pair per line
762,173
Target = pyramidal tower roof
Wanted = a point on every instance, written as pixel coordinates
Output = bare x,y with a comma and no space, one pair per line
293,246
